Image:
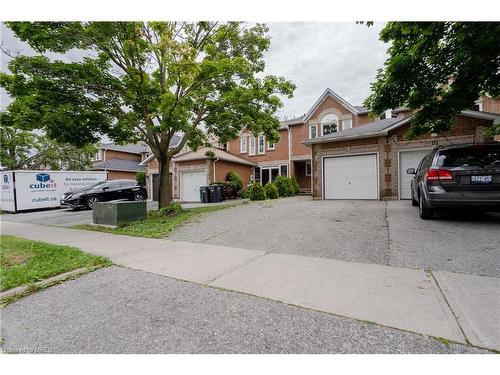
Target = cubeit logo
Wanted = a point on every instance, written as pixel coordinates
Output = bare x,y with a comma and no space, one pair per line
5,179
44,182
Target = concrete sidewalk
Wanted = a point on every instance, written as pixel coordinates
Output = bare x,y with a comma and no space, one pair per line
402,298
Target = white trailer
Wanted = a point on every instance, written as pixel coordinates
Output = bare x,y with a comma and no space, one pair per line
31,190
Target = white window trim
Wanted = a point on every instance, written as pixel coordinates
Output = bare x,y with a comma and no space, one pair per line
263,145
343,123
269,146
243,142
310,168
315,127
251,146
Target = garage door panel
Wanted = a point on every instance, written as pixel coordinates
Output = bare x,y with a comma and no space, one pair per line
191,181
408,159
351,177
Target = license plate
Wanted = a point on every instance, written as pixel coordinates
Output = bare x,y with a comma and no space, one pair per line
481,179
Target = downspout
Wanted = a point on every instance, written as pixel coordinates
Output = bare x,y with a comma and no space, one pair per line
289,152
215,160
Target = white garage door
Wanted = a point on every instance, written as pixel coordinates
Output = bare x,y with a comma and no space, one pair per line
191,181
408,159
351,177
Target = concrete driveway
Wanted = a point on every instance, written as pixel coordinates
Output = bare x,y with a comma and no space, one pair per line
388,233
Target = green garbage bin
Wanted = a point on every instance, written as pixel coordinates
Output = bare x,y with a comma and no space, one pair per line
204,194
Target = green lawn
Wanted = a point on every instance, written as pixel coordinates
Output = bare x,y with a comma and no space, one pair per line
158,226
25,262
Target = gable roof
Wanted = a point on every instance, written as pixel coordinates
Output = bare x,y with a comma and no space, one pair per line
219,154
119,165
383,127
357,110
132,148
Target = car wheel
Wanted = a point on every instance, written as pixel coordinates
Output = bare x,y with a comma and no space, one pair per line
139,197
90,201
424,212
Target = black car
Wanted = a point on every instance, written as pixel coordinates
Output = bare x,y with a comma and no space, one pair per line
459,176
104,191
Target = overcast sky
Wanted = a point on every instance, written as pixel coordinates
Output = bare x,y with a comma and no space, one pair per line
315,56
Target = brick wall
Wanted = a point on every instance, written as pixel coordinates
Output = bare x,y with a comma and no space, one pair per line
464,130
222,168
491,105
111,154
116,175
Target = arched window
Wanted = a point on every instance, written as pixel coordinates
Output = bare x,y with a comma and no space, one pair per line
329,123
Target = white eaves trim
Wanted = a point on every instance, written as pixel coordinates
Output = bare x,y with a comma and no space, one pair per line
335,96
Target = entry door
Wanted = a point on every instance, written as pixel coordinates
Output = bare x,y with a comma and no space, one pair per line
190,185
351,177
408,159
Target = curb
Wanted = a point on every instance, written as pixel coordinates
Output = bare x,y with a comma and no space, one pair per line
40,284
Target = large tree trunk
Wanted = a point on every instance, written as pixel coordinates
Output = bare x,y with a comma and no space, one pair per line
164,197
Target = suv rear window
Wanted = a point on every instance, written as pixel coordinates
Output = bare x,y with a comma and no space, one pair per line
480,156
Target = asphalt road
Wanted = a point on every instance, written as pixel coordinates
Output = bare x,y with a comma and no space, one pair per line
118,310
389,233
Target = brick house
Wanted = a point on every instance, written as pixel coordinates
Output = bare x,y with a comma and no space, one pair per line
290,156
370,161
120,161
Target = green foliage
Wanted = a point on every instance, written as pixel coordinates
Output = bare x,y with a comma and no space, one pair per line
145,80
256,192
295,185
271,191
24,149
24,261
285,186
157,226
140,177
210,154
229,189
243,194
172,209
440,68
235,178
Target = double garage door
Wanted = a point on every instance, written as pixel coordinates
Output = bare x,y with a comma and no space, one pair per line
351,177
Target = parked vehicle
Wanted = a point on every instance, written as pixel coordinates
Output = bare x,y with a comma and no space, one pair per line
459,176
104,191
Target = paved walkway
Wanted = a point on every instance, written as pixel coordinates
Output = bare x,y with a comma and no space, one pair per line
458,307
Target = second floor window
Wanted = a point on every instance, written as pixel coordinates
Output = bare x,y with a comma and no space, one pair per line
271,146
261,145
313,131
243,145
346,123
329,124
251,146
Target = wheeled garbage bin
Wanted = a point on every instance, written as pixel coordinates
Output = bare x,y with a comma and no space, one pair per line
215,195
204,194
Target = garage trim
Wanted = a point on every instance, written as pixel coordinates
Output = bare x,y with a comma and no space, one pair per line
346,155
204,170
399,164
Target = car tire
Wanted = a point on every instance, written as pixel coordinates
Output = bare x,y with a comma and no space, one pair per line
424,212
89,202
139,197
414,202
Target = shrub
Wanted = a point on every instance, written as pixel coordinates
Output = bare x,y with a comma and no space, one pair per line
229,189
271,191
172,209
235,178
210,154
256,192
140,177
243,193
295,185
285,186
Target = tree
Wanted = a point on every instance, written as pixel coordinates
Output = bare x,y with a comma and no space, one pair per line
147,81
440,68
23,149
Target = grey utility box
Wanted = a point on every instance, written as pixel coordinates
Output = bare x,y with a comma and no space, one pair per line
118,213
